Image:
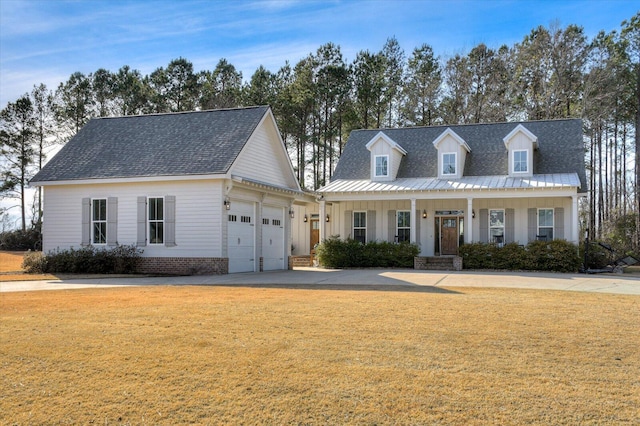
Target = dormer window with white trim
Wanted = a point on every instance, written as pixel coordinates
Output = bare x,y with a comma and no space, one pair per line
382,165
452,154
520,144
385,158
449,163
521,161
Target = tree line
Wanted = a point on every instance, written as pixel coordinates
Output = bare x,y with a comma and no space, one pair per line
554,72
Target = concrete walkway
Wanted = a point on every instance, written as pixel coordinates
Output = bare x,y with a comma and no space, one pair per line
396,279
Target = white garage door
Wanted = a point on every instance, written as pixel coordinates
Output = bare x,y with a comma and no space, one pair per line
272,238
241,237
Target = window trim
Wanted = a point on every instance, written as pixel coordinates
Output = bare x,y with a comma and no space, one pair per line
361,227
150,221
513,161
503,227
553,221
407,228
455,164
101,221
375,166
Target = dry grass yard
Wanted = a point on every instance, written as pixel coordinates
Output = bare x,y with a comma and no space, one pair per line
220,355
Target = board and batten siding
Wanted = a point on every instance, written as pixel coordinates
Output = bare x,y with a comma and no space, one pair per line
198,211
264,160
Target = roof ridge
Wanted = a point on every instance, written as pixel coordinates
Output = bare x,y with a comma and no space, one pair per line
155,114
380,129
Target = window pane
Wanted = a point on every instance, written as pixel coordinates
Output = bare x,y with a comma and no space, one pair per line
545,217
520,161
99,209
448,164
404,235
359,219
99,233
545,234
496,218
360,235
381,166
404,219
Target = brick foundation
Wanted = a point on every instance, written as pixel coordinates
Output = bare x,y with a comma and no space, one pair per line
299,261
184,265
438,263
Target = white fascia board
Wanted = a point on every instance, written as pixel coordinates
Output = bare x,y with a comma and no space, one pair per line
138,179
454,135
388,140
520,128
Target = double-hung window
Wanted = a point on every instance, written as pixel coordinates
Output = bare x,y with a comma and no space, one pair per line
382,165
545,224
99,221
449,163
403,221
156,220
496,226
360,226
520,162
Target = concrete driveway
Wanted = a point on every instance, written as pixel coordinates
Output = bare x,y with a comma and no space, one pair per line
365,278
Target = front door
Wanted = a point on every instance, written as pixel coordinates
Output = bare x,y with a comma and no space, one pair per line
449,233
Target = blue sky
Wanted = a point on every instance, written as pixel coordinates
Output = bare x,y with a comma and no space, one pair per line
46,41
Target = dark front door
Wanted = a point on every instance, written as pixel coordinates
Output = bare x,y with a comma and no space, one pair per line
449,234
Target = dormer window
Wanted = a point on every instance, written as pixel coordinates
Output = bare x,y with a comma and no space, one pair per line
449,162
382,165
520,144
385,157
520,161
452,154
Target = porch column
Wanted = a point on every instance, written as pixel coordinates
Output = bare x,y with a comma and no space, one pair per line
574,220
468,222
412,219
322,219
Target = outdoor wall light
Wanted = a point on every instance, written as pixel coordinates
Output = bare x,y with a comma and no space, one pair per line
227,204
473,214
327,219
424,214
305,219
291,213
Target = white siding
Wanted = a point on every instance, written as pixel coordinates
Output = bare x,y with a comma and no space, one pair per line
381,147
198,209
426,226
264,158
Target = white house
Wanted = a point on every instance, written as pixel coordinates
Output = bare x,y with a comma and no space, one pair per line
199,192
444,186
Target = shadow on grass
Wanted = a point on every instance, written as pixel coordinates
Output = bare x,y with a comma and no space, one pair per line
398,288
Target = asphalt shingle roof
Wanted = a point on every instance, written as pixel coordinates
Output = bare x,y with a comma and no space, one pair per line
192,143
561,150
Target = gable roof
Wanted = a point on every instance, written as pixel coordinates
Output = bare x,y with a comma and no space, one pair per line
176,144
561,149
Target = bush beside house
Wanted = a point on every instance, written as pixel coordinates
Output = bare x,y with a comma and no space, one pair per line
336,253
556,255
87,260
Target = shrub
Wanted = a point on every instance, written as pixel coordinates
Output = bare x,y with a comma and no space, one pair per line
92,260
21,240
556,255
34,262
336,253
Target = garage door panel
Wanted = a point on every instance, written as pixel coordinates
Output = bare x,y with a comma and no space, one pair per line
273,238
241,237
